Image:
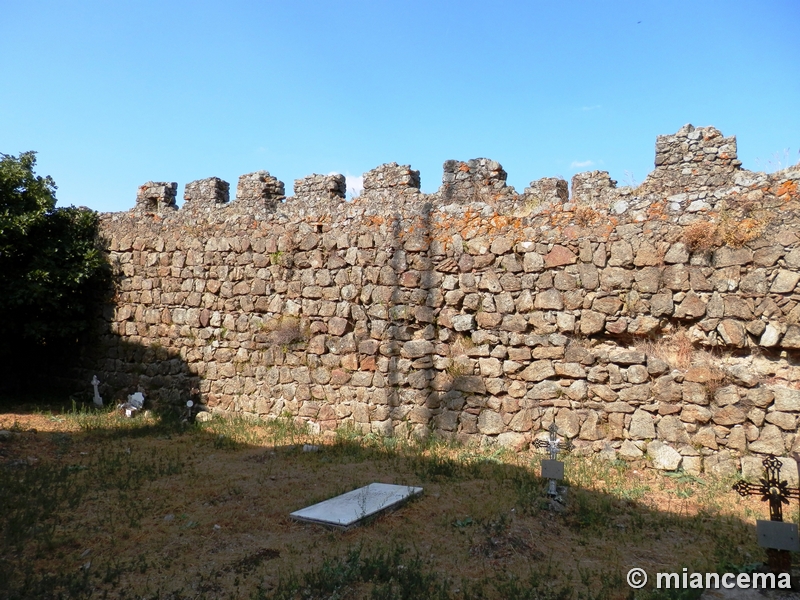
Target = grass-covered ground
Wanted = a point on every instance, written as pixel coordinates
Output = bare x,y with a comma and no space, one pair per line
96,505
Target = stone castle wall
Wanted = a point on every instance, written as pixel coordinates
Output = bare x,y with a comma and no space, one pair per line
661,320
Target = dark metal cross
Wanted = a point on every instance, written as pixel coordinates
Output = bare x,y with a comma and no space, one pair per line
771,488
777,492
553,446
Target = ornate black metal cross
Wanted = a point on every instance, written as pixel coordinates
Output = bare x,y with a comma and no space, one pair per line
771,488
777,538
553,446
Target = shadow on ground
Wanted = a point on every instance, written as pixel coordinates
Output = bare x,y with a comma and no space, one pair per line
96,505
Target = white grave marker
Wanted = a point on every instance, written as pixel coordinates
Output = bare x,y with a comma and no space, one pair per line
553,469
98,401
135,403
350,509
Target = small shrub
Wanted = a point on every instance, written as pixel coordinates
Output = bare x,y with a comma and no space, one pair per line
742,220
718,380
286,331
457,369
676,350
461,345
702,235
679,352
585,216
737,232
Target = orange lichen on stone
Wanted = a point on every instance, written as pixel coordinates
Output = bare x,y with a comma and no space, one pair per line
467,225
657,211
502,224
788,187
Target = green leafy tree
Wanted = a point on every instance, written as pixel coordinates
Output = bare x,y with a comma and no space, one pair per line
53,272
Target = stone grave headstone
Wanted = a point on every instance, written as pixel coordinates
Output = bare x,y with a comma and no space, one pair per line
98,400
777,537
552,468
353,508
134,404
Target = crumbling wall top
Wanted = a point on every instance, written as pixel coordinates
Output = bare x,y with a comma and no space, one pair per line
259,191
477,179
690,166
592,187
391,176
320,187
548,190
205,194
693,159
156,197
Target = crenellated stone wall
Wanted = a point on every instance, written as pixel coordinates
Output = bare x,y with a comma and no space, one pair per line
392,178
479,179
156,197
701,159
258,192
661,320
206,194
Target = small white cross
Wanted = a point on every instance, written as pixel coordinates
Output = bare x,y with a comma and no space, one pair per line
98,401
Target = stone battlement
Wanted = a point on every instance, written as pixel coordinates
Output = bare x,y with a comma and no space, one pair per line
692,161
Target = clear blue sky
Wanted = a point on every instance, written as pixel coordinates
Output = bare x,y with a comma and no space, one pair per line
113,94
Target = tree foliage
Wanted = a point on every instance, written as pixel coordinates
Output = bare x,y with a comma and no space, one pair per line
53,273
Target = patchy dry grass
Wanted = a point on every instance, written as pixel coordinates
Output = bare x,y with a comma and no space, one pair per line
679,352
95,505
741,220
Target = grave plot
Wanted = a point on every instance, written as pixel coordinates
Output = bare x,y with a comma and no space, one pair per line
353,508
553,469
777,537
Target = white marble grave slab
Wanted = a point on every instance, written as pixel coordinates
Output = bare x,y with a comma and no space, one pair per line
348,510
